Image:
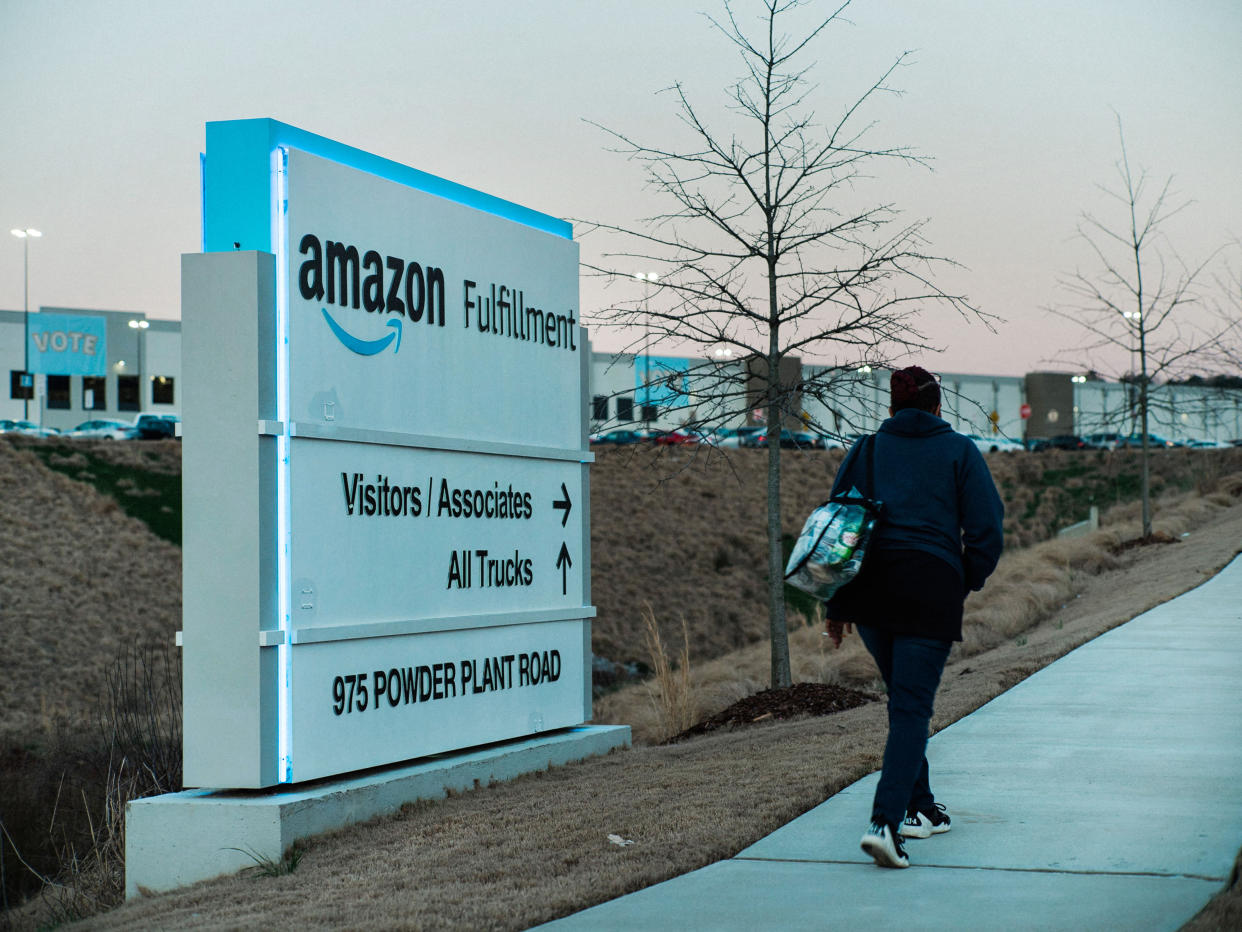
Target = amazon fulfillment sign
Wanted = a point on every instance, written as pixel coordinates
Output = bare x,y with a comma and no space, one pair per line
385,471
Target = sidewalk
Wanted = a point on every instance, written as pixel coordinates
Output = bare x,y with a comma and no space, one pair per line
1103,792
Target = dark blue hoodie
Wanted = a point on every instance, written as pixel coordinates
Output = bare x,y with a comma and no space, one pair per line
938,494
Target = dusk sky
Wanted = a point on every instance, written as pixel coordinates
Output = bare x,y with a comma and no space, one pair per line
104,103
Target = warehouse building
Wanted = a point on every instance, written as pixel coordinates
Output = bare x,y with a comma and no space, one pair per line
114,364
663,393
84,364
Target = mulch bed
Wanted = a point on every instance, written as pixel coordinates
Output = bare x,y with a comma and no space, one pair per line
1158,537
778,704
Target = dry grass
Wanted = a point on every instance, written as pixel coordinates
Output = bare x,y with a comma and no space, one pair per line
681,530
1028,587
690,529
135,752
685,530
670,689
79,582
512,855
158,456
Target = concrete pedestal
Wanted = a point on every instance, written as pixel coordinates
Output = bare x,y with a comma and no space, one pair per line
181,838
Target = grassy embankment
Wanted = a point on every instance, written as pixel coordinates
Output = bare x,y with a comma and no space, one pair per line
682,533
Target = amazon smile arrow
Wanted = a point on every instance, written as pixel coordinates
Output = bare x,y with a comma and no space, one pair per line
365,347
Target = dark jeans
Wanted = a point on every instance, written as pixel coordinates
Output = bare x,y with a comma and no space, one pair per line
911,668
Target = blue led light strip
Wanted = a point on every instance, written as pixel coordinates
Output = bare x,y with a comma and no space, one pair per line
236,183
280,240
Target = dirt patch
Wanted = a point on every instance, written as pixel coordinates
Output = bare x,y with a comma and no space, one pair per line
800,699
1156,537
1224,912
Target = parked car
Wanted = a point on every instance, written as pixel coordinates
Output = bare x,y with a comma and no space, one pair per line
750,438
1059,442
670,438
794,440
704,436
1208,445
103,429
737,436
618,437
817,441
1104,441
26,427
156,426
829,442
995,444
1135,442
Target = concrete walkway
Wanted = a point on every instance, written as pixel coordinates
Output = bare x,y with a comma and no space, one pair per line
1104,792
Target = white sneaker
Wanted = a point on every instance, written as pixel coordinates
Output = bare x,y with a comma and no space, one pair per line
883,844
934,821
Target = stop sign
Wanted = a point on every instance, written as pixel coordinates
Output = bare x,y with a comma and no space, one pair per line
1025,411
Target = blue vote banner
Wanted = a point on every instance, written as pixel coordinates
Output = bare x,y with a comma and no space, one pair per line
60,344
662,380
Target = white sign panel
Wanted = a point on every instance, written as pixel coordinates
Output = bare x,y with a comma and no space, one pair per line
389,534
374,700
435,418
422,315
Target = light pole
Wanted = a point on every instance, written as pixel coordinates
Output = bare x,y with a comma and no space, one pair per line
875,394
648,278
141,326
1078,423
27,383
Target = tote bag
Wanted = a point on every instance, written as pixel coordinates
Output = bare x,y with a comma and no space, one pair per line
830,550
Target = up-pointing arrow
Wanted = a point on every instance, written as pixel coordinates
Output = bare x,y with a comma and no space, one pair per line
563,563
564,504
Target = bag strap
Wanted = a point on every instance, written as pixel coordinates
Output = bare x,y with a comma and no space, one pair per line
870,490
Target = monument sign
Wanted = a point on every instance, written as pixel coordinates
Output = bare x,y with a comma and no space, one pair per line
385,467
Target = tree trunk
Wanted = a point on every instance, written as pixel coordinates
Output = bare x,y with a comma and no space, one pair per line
776,563
1146,473
1143,400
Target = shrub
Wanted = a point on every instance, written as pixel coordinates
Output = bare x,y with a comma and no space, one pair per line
82,782
672,694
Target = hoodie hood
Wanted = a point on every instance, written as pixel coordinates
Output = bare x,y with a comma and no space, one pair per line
913,422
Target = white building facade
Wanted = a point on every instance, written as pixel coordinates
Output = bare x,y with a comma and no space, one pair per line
139,370
88,364
631,391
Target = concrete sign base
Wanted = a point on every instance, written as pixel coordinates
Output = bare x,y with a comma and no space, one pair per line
181,838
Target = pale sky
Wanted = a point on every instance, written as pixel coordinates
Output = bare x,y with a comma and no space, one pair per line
103,106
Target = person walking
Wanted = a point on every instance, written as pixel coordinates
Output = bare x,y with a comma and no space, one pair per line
939,538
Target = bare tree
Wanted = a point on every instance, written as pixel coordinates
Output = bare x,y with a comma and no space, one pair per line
770,253
1142,299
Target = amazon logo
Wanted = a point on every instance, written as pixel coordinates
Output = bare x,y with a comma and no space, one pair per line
340,274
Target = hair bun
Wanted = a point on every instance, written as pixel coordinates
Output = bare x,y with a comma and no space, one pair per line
914,387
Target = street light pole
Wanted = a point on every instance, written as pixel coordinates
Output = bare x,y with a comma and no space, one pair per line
25,236
648,278
1078,424
141,326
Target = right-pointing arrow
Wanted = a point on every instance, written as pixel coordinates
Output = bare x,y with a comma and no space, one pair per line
563,504
563,563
